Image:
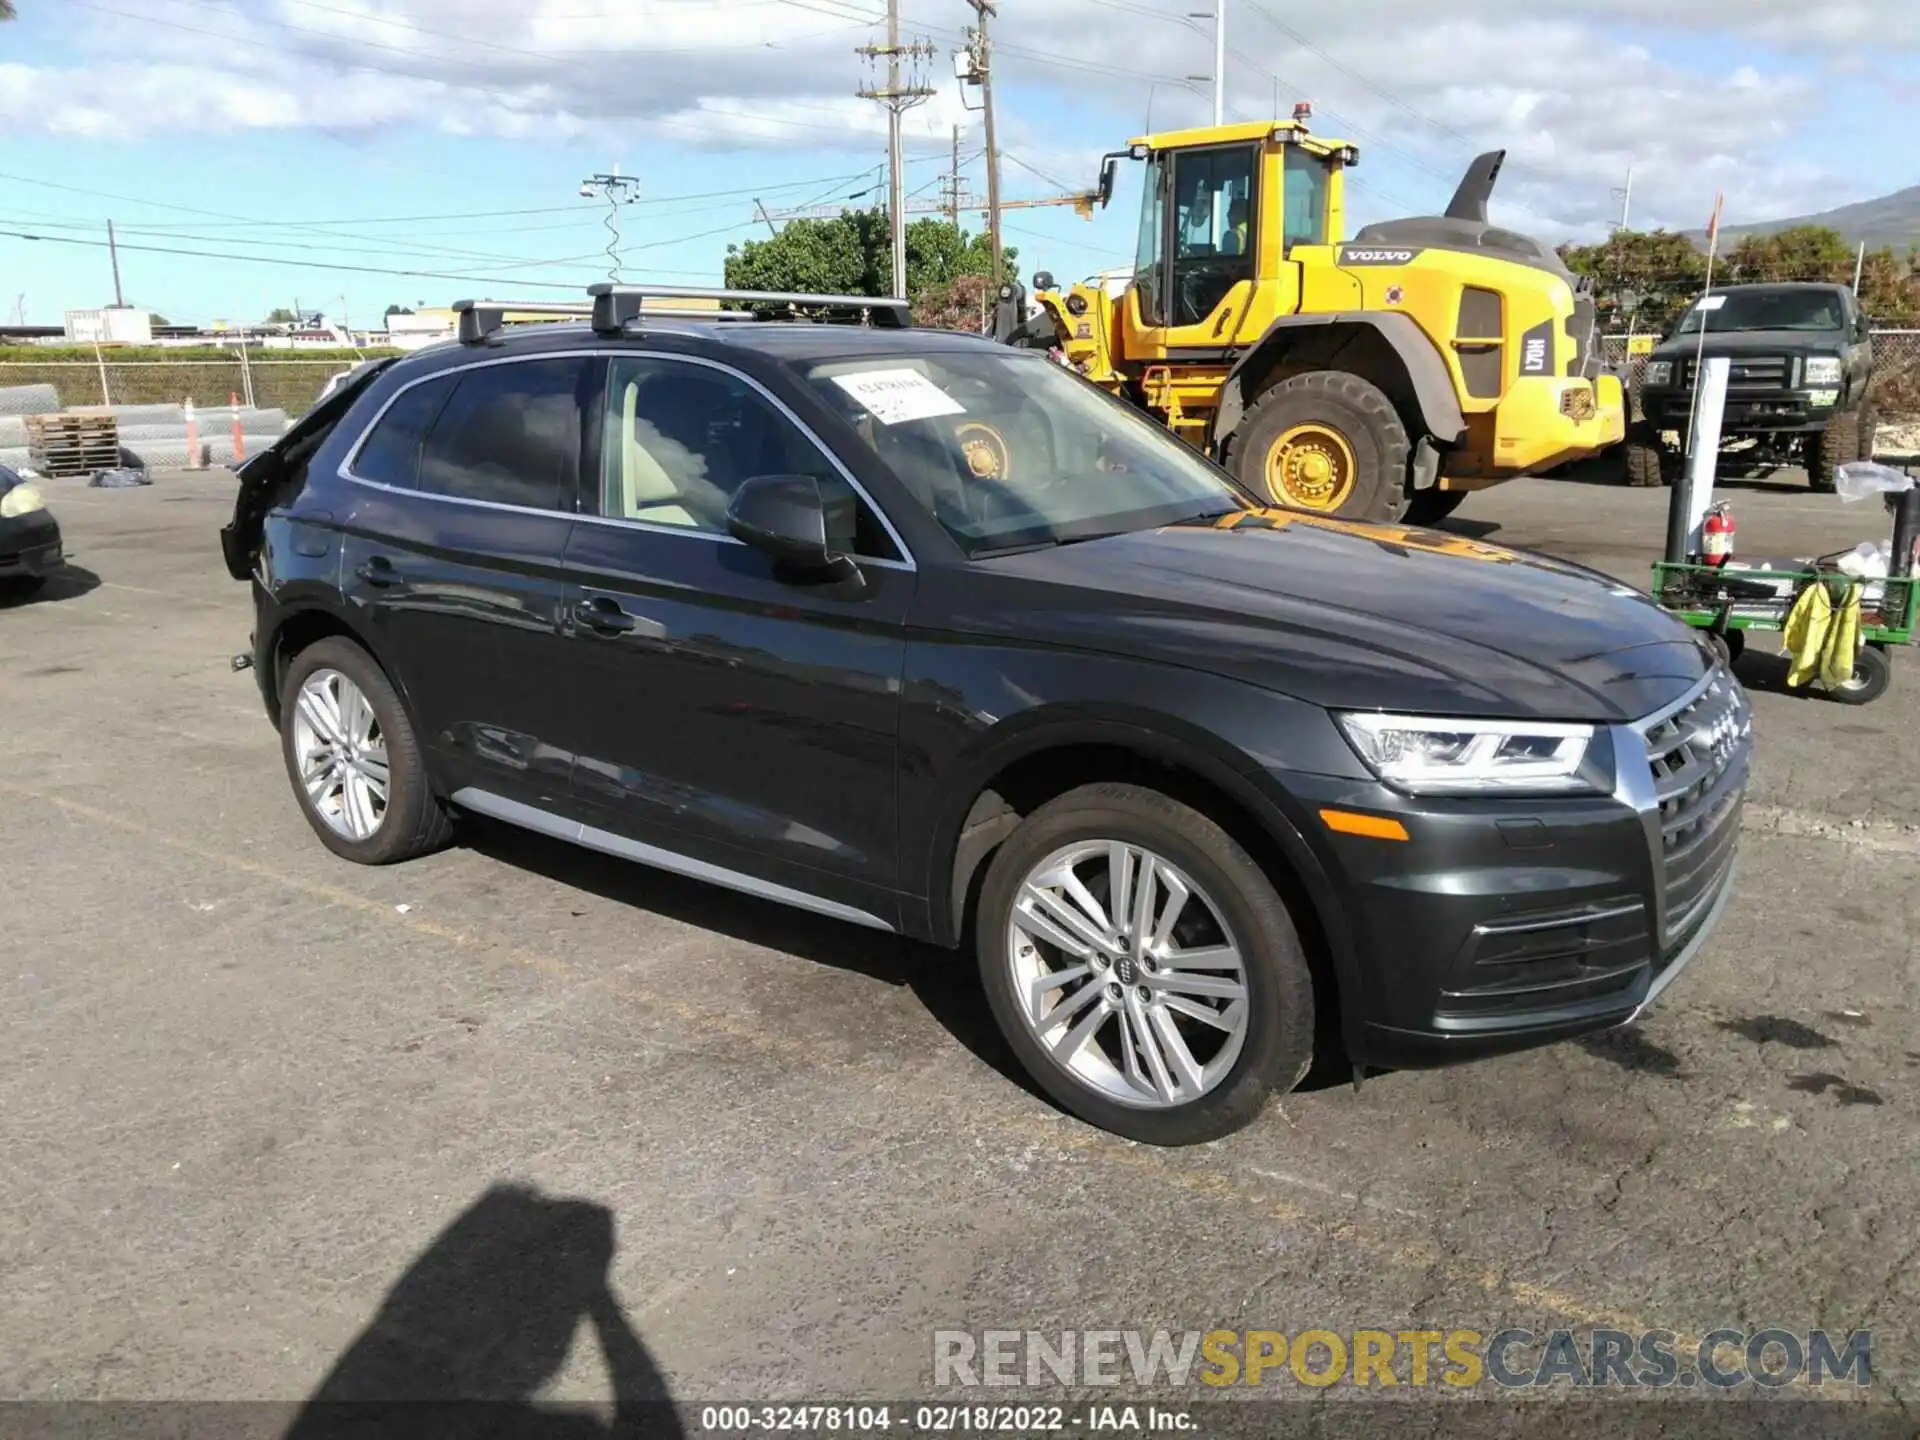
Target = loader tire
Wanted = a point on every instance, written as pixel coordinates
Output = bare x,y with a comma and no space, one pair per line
1326,442
1837,445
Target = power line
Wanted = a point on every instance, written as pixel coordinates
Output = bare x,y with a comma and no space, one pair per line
1356,76
324,264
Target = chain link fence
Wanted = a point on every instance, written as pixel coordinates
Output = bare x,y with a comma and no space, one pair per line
289,385
293,385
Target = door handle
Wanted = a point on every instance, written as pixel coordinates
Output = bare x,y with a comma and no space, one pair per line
377,572
603,615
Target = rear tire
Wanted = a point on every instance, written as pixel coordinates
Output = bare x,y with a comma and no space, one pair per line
1872,674
1837,445
1647,463
411,820
1431,506
1353,411
1231,904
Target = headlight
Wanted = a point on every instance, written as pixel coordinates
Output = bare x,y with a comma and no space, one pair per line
1823,370
21,500
1426,756
1659,372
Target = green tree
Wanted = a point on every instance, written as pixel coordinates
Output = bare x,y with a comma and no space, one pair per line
850,254
1658,271
398,310
280,315
6,9
1806,252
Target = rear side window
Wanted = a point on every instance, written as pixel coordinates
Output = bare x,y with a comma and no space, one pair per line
390,454
510,435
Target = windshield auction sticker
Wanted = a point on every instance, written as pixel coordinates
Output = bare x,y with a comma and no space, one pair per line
893,397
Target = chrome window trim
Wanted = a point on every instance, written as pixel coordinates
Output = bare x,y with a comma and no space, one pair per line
346,472
545,822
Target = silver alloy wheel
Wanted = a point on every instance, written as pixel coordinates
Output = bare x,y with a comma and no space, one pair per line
1125,971
341,754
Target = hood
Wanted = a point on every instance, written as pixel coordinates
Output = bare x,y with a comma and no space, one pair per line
1364,617
1756,342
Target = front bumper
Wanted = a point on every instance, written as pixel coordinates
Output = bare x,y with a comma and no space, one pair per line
1502,924
1544,421
30,544
1774,410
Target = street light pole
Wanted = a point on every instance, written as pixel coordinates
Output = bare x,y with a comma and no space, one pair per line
1219,62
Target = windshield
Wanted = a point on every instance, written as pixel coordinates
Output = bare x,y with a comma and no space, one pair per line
1764,310
1008,450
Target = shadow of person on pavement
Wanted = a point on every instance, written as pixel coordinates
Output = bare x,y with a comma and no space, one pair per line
481,1321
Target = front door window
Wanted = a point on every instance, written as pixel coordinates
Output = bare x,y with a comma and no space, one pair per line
1212,228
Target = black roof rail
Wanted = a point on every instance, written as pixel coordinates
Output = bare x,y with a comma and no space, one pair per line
481,318
615,305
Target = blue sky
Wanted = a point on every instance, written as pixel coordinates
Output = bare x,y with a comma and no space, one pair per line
450,136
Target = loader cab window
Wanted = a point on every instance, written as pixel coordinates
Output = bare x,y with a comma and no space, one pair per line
1213,228
1306,199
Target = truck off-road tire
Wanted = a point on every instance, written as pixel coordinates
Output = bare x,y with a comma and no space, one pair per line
353,759
1837,445
1645,456
1326,442
1432,505
1869,427
1184,999
1872,673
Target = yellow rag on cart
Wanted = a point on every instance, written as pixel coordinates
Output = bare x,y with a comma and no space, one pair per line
1823,638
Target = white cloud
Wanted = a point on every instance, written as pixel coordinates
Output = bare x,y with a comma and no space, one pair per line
1576,93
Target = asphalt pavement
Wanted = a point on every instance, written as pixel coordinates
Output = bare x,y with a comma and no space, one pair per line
247,1084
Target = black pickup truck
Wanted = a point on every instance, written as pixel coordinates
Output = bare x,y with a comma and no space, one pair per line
1801,358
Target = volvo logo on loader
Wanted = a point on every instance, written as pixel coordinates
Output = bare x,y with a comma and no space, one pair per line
1349,255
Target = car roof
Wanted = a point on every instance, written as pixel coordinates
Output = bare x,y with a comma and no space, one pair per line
775,339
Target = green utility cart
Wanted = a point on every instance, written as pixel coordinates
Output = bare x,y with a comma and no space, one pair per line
1728,601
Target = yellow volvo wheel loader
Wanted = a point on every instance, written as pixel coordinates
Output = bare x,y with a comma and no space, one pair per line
1376,378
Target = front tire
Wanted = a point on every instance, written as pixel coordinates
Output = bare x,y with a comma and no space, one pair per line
1869,428
1326,442
1142,966
1837,445
354,761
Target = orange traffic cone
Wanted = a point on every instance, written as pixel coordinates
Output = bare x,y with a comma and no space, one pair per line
239,436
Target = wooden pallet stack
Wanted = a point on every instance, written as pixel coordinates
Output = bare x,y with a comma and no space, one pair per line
69,444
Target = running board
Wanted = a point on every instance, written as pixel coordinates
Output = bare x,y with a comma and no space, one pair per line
530,817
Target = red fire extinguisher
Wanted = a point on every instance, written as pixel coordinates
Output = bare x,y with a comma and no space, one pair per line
1716,535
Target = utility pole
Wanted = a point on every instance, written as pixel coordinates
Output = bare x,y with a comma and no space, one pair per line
760,213
976,68
898,99
953,182
1626,198
113,253
617,190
